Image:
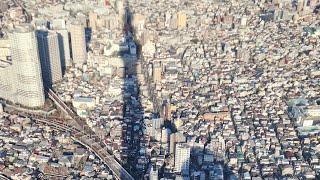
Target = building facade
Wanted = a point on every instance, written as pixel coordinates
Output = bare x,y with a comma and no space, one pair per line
5,69
157,73
64,45
78,43
182,157
27,81
48,46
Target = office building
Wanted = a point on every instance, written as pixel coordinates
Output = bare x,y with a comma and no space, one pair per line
156,73
121,11
6,79
174,22
48,45
27,81
182,19
78,43
167,112
172,143
165,133
93,17
5,69
59,26
168,19
182,157
64,47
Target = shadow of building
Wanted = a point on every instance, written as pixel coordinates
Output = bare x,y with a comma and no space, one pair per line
132,149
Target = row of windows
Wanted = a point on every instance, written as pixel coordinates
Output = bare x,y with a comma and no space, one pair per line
29,94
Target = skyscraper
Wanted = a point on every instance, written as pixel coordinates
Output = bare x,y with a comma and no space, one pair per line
182,19
48,45
172,142
156,72
59,26
5,69
167,112
164,135
121,12
93,20
182,157
64,47
26,69
168,19
6,80
78,43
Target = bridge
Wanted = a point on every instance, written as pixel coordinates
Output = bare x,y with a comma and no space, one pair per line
83,134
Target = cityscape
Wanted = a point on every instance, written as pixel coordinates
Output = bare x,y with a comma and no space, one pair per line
160,90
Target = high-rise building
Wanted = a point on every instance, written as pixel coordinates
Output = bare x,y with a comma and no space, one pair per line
26,68
78,43
165,135
168,19
64,47
121,11
93,20
182,19
5,69
182,157
174,22
48,45
59,26
6,80
172,142
157,73
167,112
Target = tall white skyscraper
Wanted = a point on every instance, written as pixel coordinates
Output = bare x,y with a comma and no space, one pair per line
121,11
5,69
168,19
64,46
49,57
26,68
157,72
59,26
182,157
6,80
164,135
78,43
